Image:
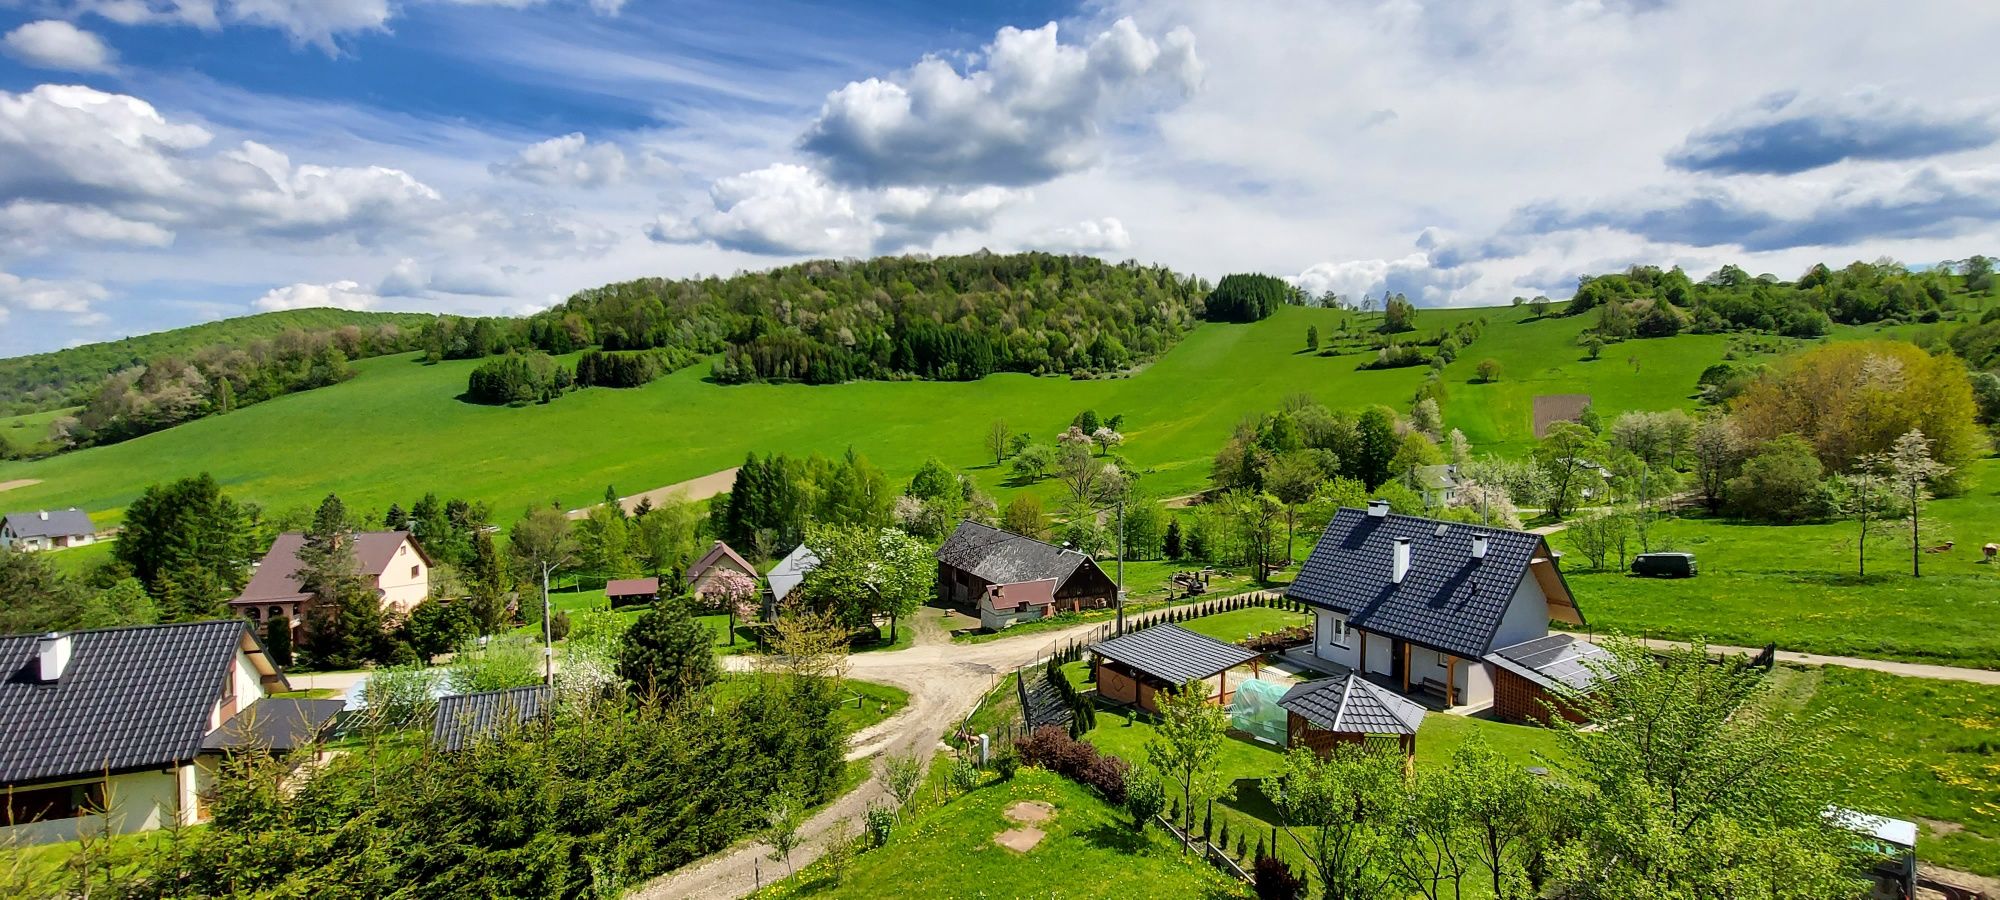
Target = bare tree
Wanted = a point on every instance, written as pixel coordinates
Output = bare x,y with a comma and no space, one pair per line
999,439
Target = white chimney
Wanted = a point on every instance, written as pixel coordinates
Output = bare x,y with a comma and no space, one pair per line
52,650
1402,559
1378,508
45,515
1479,546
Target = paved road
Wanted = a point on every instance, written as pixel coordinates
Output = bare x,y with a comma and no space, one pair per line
1907,670
944,679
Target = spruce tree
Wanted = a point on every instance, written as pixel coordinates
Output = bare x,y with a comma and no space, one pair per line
344,617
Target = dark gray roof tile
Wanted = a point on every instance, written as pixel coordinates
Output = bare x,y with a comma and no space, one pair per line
49,523
1448,601
1554,659
1351,704
462,719
1174,654
130,698
1003,557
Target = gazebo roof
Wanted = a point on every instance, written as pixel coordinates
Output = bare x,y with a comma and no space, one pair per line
1174,654
1354,705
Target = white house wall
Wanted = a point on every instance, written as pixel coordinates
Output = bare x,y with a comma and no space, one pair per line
1381,654
1325,648
1526,618
140,801
402,590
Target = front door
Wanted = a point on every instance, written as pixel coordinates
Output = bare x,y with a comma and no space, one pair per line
1399,654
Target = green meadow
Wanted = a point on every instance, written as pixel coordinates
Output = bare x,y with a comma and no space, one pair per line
397,429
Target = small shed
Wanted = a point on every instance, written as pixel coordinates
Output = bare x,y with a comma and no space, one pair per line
1890,844
1350,709
1135,668
1532,678
1023,601
629,591
464,719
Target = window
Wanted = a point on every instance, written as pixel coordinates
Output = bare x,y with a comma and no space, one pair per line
1336,630
68,801
415,570
276,611
250,612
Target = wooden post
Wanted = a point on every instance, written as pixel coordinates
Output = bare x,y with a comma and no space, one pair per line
1222,688
1450,679
1406,667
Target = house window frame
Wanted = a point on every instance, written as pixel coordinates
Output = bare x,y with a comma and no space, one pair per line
1337,632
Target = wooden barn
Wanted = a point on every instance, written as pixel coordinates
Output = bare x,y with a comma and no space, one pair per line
1532,679
1350,709
977,557
1133,669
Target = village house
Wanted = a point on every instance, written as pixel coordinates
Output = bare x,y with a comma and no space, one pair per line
1433,607
47,529
710,574
121,728
998,571
392,562
1437,485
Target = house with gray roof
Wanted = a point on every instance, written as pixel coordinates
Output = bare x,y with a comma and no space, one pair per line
1423,603
977,559
46,529
124,726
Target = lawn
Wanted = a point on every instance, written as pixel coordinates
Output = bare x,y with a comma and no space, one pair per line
1235,625
1244,763
1923,750
1177,411
1090,850
1796,585
862,703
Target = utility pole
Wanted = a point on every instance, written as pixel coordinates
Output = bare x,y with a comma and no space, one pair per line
1121,565
548,633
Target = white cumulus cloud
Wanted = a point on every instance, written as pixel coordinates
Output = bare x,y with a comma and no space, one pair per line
335,295
571,160
56,44
779,209
1089,236
1032,111
75,298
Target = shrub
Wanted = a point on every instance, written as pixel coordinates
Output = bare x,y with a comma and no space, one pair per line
1275,880
1053,749
1006,763
964,775
880,823
1145,797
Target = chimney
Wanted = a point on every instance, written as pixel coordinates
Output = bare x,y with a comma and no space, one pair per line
52,651
1378,508
45,515
1402,559
1479,546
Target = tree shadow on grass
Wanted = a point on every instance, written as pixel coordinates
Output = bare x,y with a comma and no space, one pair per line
1117,836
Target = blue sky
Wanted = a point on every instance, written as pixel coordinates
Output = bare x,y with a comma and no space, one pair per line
163,162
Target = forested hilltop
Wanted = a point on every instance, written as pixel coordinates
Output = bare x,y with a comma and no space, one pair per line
946,318
1647,301
70,376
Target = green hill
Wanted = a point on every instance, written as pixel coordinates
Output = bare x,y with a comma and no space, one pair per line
65,377
397,430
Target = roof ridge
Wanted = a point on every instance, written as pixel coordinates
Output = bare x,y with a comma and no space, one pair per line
110,628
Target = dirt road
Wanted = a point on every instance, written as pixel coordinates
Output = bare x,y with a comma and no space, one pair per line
944,679
692,489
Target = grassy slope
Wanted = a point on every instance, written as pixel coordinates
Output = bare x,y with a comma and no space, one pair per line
397,430
1921,749
1796,585
1090,850
87,363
